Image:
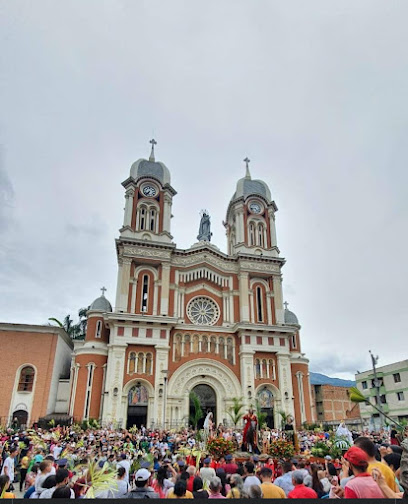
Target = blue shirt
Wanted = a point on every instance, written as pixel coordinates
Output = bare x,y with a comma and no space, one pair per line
285,482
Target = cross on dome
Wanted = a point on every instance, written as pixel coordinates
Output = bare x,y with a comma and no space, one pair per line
247,161
153,142
286,304
103,289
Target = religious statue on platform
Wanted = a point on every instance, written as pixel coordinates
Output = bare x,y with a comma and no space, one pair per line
204,233
249,434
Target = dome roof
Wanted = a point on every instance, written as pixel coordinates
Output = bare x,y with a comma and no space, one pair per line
290,317
101,303
150,168
246,186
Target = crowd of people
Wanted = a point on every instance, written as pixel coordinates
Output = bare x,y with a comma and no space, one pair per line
67,462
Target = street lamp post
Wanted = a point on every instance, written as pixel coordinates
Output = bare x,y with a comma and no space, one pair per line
165,372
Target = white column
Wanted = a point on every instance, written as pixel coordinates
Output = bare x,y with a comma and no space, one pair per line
277,289
299,377
243,294
133,300
269,308
247,377
285,384
167,213
272,228
127,220
122,290
165,289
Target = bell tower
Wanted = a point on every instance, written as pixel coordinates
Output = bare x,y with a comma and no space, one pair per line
148,201
250,222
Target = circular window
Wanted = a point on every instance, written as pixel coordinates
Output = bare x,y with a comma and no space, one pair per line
203,311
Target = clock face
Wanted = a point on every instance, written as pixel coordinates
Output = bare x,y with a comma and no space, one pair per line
149,190
255,207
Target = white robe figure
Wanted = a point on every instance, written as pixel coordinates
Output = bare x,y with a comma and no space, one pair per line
208,423
342,430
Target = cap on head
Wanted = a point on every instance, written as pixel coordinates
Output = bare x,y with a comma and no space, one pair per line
356,456
228,457
207,460
62,462
142,475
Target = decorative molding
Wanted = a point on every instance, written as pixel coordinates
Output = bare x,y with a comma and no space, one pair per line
147,252
204,257
253,265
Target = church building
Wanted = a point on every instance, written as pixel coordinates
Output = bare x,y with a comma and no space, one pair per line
191,320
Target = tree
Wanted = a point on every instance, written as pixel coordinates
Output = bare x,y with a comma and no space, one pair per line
260,414
74,331
198,412
235,411
284,417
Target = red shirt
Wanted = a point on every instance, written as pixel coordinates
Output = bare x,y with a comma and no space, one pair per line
362,486
302,492
190,482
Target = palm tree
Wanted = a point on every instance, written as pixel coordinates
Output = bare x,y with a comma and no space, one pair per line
198,412
260,414
284,418
235,411
74,331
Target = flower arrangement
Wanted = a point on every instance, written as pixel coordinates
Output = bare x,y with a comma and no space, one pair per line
320,449
281,449
219,447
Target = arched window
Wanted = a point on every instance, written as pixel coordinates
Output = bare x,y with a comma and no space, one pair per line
195,343
152,219
213,345
98,330
132,362
260,240
149,364
26,381
252,234
230,351
204,344
145,293
177,349
140,362
221,347
272,369
142,222
264,371
259,307
257,368
294,341
187,349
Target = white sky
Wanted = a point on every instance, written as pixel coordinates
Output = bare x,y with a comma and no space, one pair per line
315,93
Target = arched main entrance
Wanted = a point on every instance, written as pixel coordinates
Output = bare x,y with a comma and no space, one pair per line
21,417
266,403
138,399
208,402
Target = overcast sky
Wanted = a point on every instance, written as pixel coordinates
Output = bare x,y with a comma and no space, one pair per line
315,93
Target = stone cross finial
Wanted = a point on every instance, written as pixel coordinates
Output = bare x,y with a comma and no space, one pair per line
103,289
153,142
286,304
247,161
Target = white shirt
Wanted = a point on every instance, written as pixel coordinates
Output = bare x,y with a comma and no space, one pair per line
9,463
251,480
47,494
126,465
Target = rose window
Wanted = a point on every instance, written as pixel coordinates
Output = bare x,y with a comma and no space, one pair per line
203,311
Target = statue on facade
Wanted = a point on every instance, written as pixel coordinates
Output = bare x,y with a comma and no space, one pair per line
204,233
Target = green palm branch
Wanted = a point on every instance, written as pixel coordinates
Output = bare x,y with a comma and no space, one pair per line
198,412
235,412
357,397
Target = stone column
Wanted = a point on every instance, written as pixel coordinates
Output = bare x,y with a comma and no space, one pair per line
165,289
277,288
243,294
274,242
167,213
122,289
112,407
285,384
161,364
246,358
127,219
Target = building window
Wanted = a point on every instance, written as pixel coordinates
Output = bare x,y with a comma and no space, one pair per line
257,368
380,382
397,378
145,293
142,224
132,362
26,381
98,330
260,235
152,219
149,364
259,304
400,396
294,341
252,234
259,340
383,399
364,385
91,368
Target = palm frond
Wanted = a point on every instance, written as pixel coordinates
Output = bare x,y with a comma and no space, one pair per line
56,321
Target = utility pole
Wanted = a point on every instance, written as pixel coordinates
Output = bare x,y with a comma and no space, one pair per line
377,384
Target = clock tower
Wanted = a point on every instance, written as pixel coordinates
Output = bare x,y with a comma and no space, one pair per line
250,221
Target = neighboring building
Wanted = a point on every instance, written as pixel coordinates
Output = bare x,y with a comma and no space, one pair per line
35,372
332,405
393,392
191,320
